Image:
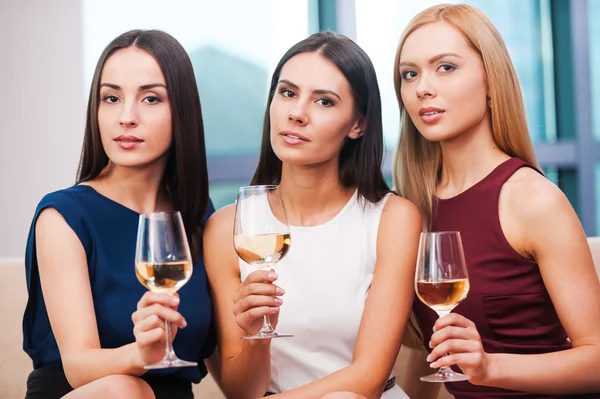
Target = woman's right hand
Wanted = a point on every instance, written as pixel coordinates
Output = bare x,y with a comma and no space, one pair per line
256,297
149,324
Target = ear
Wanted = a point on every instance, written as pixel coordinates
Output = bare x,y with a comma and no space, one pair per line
357,130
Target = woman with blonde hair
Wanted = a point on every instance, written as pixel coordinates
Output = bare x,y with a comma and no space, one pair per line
530,326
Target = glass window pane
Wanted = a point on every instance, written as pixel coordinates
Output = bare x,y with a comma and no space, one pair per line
225,193
520,22
594,37
234,46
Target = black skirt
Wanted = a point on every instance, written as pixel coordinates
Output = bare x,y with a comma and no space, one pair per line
51,383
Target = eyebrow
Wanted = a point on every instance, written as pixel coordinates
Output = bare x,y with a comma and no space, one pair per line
320,91
141,88
432,59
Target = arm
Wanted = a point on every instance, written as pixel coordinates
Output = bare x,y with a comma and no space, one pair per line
68,297
386,310
245,366
540,223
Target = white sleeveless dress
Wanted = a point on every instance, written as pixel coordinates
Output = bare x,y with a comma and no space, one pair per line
327,274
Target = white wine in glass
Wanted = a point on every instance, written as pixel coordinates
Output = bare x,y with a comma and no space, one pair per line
163,264
442,282
261,235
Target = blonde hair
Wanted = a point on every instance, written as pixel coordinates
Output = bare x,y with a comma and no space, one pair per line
418,162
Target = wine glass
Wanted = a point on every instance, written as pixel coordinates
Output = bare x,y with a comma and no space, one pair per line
261,235
442,282
163,264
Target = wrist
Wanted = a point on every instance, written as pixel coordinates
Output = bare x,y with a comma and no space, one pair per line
491,375
135,362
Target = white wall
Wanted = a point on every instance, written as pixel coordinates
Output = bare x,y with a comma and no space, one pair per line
42,108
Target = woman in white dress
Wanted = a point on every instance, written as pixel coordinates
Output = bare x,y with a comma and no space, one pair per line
348,275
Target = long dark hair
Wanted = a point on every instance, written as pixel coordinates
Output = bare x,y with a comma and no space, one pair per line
185,178
361,158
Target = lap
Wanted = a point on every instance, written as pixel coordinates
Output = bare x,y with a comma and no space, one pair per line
51,383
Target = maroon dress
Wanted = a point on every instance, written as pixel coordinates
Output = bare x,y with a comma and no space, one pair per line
507,301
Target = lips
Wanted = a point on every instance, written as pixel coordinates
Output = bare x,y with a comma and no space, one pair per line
128,142
293,135
128,139
431,114
293,138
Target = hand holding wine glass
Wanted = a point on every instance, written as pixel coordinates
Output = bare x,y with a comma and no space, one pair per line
163,264
261,238
442,282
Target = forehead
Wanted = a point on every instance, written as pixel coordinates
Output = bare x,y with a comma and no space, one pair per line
132,66
313,71
433,39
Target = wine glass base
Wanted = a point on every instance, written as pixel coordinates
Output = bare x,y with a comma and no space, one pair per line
267,335
166,364
442,376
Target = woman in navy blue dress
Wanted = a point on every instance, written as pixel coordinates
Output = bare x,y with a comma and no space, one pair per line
143,151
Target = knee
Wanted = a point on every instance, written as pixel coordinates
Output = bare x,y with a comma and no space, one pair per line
114,386
343,395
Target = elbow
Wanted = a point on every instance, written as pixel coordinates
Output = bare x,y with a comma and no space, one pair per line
74,372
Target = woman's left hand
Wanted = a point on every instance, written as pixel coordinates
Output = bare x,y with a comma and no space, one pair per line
456,341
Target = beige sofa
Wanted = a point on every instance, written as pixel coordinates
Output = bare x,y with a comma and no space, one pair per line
15,365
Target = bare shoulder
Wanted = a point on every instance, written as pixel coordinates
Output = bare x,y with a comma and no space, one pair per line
532,197
218,240
398,209
221,221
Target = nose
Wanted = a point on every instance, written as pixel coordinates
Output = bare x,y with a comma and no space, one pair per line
297,114
425,88
129,116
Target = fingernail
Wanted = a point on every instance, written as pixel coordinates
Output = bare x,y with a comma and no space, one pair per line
278,301
279,291
431,344
275,310
273,276
183,323
428,358
433,365
175,300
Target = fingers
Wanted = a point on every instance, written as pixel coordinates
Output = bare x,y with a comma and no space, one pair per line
151,298
452,319
255,301
452,332
455,346
253,283
466,361
246,318
161,312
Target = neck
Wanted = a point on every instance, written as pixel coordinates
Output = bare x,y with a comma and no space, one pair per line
313,195
136,188
467,159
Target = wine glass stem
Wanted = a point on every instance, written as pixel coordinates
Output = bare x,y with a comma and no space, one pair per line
267,327
169,353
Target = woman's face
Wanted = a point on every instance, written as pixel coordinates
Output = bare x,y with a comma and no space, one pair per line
312,113
444,85
134,115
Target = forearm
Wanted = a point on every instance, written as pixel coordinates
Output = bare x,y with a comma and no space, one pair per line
87,365
354,378
566,372
247,375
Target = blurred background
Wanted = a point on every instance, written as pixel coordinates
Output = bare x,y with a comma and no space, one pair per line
48,51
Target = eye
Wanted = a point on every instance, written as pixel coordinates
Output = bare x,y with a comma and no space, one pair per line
325,102
111,99
152,100
287,93
409,75
446,68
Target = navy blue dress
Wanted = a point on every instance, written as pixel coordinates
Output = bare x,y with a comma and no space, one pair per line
108,232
